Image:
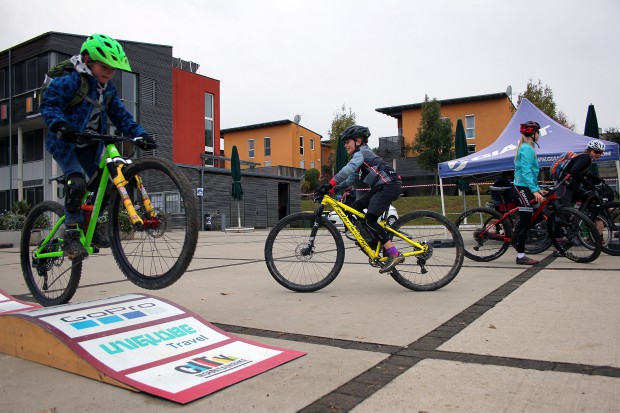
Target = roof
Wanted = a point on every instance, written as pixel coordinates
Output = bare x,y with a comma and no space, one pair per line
82,36
263,125
397,111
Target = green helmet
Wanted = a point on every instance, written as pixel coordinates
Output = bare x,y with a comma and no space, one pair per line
106,50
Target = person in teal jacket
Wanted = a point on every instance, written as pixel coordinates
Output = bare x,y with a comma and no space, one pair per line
526,187
97,62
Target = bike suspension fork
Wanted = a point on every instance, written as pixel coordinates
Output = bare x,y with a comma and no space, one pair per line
116,174
315,228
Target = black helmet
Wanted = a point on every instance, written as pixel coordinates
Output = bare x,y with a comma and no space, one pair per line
354,132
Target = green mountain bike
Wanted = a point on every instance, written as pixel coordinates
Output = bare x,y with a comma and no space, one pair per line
152,234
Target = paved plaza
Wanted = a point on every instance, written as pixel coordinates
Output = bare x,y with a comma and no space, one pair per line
499,338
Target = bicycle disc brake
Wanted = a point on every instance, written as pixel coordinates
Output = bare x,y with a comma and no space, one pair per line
422,258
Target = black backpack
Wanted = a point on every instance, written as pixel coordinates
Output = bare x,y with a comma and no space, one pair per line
63,68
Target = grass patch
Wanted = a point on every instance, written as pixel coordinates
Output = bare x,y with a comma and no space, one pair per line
454,204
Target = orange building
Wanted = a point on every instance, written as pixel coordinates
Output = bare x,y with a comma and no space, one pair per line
484,118
278,143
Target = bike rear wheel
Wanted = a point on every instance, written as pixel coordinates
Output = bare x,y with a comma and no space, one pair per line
486,237
574,235
296,267
52,281
444,259
156,255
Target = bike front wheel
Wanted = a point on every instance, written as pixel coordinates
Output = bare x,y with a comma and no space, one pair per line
486,236
299,264
574,235
157,254
440,264
54,280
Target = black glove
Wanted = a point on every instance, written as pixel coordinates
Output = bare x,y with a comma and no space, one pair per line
66,132
322,190
145,142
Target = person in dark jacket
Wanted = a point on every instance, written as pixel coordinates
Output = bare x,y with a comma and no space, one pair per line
580,179
579,170
99,58
383,181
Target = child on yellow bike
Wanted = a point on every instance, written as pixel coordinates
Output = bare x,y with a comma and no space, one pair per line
384,184
65,117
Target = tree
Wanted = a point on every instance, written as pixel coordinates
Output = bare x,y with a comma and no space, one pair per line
542,97
342,120
434,142
311,180
611,134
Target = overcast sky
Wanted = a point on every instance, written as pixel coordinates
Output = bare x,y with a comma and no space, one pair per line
279,58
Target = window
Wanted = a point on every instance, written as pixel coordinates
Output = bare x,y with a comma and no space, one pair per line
471,148
5,150
267,146
33,145
209,138
251,148
127,90
33,195
302,164
301,145
27,75
267,164
4,84
312,164
311,144
470,127
172,203
5,199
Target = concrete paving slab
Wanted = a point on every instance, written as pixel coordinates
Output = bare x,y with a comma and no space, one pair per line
569,316
446,386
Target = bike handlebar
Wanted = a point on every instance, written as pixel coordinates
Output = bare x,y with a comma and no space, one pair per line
90,138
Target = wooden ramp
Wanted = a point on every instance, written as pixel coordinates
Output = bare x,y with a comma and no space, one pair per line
136,341
21,338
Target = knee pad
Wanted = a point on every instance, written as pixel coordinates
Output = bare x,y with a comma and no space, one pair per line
76,188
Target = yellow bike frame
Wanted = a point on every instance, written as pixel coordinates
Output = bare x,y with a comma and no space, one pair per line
374,255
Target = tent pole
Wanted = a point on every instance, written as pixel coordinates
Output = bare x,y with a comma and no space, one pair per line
478,190
618,175
443,205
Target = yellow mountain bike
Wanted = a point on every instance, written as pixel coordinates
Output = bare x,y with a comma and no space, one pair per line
304,252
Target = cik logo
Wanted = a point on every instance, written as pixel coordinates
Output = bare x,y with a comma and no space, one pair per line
210,366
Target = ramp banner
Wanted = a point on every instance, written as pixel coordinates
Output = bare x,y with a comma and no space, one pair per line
155,346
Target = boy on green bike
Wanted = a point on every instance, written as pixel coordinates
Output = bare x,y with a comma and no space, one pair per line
81,101
383,181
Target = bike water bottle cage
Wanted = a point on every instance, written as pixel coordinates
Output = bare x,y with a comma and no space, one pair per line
76,188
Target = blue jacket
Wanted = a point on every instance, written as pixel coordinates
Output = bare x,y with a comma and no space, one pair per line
54,109
527,168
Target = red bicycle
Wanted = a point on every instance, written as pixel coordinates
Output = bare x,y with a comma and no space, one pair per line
487,234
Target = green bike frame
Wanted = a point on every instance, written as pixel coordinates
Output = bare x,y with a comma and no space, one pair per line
111,165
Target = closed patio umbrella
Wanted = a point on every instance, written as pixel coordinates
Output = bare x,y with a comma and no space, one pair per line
342,158
460,150
236,191
591,130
